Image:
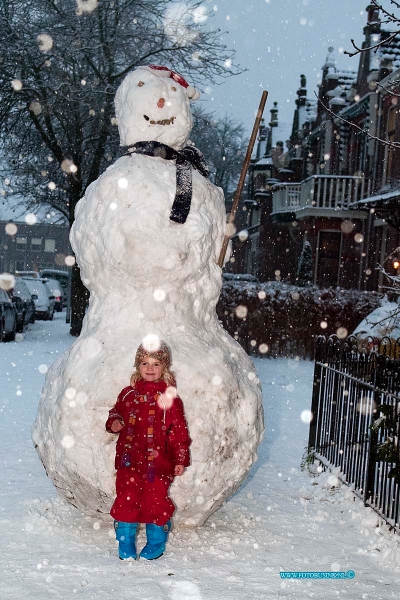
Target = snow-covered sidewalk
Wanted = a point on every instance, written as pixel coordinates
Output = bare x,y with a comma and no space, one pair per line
281,518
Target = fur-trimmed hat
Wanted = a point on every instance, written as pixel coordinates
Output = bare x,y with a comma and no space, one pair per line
155,349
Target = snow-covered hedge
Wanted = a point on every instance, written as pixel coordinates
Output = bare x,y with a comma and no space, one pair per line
275,318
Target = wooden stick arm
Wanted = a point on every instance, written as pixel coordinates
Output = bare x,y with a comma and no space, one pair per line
242,177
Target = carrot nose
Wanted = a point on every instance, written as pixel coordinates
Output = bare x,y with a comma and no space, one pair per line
161,103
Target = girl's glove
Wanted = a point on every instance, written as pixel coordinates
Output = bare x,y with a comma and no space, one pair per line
116,426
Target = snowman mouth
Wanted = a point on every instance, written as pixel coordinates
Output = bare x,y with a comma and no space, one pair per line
162,122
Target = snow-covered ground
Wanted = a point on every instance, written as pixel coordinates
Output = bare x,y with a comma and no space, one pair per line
281,518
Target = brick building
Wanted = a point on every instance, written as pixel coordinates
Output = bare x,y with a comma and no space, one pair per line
334,186
30,243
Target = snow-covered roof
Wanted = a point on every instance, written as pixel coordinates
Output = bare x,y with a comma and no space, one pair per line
391,51
378,198
346,78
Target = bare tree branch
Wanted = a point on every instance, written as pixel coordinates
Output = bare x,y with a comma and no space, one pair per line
391,16
355,126
375,47
394,82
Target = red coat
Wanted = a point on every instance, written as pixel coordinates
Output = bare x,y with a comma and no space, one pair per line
155,438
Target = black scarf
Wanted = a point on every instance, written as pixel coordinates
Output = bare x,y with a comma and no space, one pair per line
185,159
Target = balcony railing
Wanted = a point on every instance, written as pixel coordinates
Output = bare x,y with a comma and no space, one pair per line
332,192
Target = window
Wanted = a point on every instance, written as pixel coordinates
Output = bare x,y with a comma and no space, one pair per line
49,245
21,243
329,249
20,265
36,244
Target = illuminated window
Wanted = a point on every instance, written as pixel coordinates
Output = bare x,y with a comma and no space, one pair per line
49,245
21,243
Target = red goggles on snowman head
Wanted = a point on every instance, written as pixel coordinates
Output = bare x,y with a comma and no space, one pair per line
191,92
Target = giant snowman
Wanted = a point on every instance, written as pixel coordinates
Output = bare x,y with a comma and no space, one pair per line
150,276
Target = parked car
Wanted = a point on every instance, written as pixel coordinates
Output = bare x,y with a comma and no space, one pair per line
24,304
58,293
8,318
42,296
62,276
34,274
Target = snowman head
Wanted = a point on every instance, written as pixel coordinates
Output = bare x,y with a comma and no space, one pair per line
152,103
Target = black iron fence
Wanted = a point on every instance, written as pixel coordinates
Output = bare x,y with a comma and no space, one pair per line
356,419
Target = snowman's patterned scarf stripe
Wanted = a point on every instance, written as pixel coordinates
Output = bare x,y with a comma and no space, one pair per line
186,158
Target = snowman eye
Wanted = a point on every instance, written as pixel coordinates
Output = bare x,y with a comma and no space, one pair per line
173,88
141,83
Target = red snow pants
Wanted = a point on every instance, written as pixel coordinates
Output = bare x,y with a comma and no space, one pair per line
141,501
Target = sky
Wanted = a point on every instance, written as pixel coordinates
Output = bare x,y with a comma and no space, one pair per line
276,41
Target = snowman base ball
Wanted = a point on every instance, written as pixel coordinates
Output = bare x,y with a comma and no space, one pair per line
149,276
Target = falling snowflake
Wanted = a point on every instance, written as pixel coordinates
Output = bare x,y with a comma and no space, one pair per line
151,342
16,85
306,416
200,14
35,107
122,183
67,441
68,166
45,42
69,261
241,311
85,6
159,295
30,219
230,229
70,393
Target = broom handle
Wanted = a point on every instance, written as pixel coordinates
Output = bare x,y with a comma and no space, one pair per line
242,178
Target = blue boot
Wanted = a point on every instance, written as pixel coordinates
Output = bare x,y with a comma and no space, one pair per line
126,536
156,540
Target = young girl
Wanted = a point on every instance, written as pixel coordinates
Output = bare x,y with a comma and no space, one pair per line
153,448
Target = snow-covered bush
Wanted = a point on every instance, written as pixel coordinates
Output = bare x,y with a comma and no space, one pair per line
275,318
